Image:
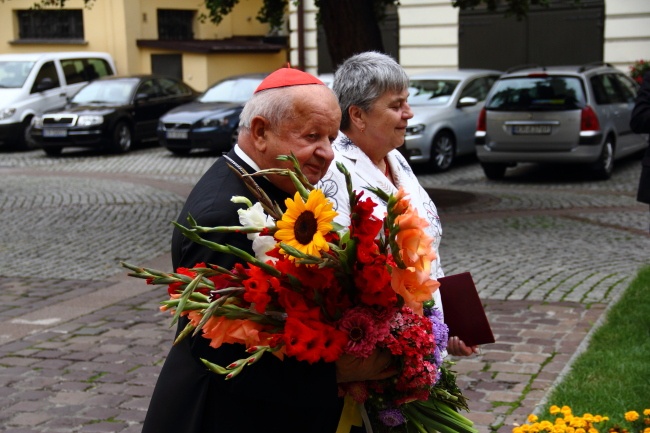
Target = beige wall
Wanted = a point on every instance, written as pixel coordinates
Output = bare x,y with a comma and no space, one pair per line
627,32
201,71
114,26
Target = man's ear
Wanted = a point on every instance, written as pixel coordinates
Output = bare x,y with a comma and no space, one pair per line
259,131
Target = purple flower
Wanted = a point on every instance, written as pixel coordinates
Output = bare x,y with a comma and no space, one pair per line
391,417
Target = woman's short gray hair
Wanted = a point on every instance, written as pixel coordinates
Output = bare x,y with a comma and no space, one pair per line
364,78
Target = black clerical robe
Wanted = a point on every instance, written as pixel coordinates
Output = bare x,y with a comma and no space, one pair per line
270,396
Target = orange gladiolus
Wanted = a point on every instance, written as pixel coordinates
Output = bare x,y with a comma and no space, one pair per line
220,330
414,244
414,287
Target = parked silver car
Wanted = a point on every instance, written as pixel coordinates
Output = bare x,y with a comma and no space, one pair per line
563,114
445,105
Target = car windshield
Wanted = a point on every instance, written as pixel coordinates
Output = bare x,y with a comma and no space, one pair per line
537,93
106,92
431,91
13,74
237,90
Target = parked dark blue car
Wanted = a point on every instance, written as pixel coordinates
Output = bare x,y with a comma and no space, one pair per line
212,120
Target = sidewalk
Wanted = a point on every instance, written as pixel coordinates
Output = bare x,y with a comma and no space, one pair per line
80,351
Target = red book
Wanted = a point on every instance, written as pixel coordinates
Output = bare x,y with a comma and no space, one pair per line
463,309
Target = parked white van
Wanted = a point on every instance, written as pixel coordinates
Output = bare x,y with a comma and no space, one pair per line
33,83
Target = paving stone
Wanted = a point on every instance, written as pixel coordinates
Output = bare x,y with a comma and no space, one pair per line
541,297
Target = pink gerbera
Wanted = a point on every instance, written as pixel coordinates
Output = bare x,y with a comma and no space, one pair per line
363,331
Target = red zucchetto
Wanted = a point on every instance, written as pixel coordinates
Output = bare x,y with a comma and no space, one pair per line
286,77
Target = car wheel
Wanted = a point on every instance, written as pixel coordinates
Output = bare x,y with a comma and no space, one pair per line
180,151
443,150
122,138
604,167
494,171
23,141
53,150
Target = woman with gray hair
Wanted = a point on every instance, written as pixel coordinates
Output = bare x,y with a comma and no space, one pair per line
372,89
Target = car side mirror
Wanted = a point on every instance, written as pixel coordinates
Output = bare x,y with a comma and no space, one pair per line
45,84
467,101
140,97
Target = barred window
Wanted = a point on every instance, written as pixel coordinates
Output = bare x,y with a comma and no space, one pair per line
50,24
175,24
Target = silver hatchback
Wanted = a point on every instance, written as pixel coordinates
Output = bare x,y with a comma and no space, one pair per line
446,105
568,114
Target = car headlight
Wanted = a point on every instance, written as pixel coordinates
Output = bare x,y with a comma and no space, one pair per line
6,113
220,121
90,120
37,122
415,129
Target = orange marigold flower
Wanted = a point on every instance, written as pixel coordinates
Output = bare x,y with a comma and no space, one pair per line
631,416
554,409
532,418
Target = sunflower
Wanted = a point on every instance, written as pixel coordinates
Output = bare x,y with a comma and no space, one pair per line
304,225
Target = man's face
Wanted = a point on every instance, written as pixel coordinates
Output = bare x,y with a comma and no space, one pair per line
308,134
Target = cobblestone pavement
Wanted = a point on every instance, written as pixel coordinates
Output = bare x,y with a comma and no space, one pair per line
81,343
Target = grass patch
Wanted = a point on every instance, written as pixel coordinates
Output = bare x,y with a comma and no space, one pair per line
613,375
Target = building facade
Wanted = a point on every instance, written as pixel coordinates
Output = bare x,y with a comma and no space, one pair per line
168,36
435,35
143,36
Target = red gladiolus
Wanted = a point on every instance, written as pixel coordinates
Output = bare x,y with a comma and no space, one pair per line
312,341
176,287
258,287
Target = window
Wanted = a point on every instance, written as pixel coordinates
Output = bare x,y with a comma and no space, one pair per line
50,24
46,79
175,24
626,87
170,87
553,93
13,74
80,70
478,88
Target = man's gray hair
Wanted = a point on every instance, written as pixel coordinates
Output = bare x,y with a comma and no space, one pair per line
275,105
364,78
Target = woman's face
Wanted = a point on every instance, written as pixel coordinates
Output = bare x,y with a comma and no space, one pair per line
387,118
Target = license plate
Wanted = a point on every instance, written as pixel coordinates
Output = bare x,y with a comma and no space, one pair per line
531,129
55,133
177,135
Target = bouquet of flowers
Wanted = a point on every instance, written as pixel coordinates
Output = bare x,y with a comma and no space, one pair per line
638,69
315,290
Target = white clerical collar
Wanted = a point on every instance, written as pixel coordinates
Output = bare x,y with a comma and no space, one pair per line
247,159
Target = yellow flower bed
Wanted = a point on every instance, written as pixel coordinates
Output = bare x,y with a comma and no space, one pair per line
566,422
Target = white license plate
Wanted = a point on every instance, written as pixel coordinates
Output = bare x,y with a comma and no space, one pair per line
177,135
531,129
55,132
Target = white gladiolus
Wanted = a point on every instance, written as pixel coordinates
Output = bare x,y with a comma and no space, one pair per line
254,216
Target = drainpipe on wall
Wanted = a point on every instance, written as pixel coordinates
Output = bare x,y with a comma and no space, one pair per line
301,35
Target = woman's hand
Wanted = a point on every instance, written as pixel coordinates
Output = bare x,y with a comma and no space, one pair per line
456,347
377,366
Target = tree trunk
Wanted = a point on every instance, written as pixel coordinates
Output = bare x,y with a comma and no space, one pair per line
350,27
